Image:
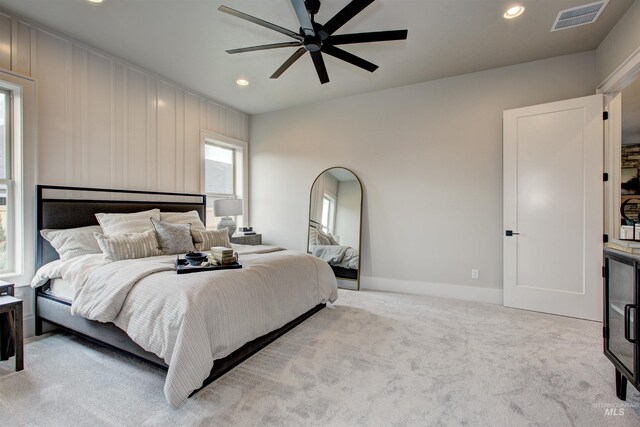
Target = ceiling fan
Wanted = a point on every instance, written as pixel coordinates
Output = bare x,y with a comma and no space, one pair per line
316,38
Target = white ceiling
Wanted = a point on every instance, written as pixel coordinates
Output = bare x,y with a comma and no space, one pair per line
185,41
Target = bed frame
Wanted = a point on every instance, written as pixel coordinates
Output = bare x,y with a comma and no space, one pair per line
76,207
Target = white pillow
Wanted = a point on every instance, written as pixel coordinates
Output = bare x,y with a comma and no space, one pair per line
117,223
129,245
190,217
73,242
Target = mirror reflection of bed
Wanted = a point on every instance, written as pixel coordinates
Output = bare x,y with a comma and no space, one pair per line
335,213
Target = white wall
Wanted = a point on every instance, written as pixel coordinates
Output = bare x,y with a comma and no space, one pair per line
348,213
620,43
430,160
104,123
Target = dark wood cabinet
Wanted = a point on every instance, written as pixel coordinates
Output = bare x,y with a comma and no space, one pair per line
621,327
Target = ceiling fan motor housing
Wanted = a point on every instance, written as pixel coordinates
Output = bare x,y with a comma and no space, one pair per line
313,6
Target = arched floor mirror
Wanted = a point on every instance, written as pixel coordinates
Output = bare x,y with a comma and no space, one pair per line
335,219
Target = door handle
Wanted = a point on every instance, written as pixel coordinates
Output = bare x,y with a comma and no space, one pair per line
510,233
627,325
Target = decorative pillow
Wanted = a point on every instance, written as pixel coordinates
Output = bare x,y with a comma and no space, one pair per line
73,242
207,239
332,240
128,245
116,223
190,217
323,240
173,238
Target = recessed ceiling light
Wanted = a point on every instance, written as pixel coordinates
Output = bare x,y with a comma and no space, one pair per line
242,82
95,1
514,12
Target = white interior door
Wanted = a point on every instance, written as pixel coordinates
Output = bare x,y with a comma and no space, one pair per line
553,203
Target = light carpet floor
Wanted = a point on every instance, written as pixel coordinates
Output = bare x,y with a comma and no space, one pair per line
373,359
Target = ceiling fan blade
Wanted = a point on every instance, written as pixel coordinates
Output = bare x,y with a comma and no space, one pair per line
348,57
377,36
260,22
264,47
293,58
320,67
303,17
345,15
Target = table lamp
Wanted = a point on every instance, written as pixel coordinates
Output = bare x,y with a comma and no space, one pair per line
226,208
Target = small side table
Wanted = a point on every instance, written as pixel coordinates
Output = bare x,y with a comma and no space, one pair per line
13,307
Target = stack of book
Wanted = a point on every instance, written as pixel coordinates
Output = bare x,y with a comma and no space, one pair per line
222,256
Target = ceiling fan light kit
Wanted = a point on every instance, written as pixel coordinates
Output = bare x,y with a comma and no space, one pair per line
316,38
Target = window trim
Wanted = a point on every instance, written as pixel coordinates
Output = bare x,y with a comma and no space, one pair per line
23,173
241,149
234,193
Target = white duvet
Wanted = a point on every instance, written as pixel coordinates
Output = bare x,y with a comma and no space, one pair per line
340,256
193,319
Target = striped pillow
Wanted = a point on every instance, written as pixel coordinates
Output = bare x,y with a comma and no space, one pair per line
128,245
73,242
207,239
190,217
116,223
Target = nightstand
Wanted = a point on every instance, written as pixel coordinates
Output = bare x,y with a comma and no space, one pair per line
12,327
252,239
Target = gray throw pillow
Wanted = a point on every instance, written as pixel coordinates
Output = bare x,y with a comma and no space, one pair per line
173,238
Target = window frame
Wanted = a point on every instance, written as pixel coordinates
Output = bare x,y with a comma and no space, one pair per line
8,182
240,170
330,228
234,162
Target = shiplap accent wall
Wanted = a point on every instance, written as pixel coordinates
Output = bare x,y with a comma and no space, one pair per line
105,123
102,122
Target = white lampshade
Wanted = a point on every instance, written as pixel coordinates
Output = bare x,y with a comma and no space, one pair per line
227,207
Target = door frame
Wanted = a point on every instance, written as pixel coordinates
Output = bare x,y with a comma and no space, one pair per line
611,87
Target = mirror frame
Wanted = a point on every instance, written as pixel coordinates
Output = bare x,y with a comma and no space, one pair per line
357,280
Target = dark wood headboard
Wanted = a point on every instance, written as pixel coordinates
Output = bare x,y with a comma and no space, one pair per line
69,207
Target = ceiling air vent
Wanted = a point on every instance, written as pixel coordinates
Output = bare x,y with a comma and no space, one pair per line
580,15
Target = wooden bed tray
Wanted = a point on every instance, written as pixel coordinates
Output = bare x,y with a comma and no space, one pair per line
69,212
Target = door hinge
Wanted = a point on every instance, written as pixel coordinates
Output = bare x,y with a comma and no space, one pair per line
604,271
605,177
605,115
605,238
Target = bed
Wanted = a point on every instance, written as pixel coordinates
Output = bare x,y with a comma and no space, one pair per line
195,325
343,260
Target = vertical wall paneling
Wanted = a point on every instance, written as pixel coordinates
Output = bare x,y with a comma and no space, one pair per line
6,42
103,122
51,99
77,105
68,107
180,137
166,137
136,130
21,57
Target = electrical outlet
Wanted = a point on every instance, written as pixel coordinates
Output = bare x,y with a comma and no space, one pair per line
475,274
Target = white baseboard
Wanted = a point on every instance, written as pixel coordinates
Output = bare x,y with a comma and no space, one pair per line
29,325
467,293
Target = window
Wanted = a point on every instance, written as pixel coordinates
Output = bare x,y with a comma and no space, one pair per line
328,213
5,181
224,174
